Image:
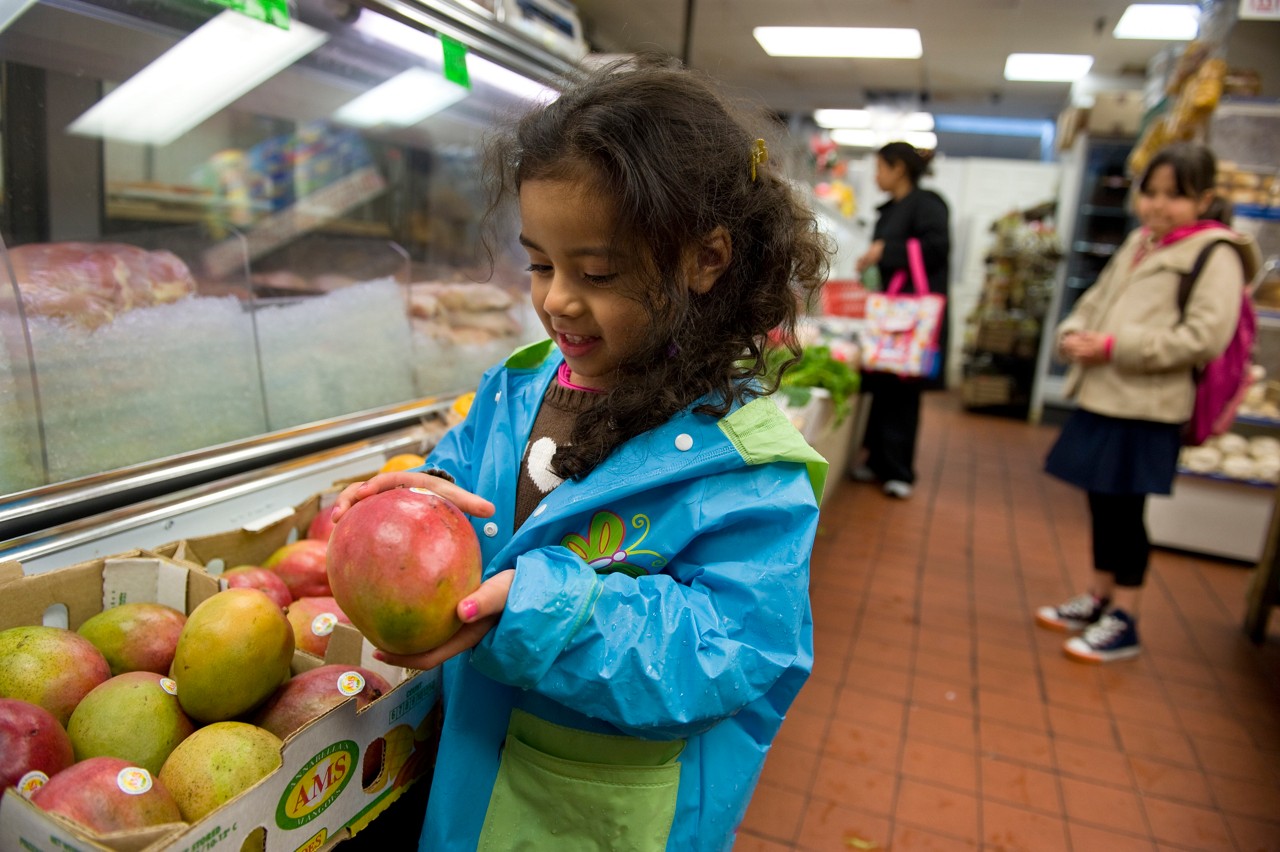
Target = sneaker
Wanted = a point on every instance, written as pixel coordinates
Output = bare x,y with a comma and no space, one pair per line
862,473
1113,637
1076,614
898,488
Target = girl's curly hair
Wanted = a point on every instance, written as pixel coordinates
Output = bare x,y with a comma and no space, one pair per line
675,159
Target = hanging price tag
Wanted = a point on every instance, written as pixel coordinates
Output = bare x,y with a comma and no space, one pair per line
455,62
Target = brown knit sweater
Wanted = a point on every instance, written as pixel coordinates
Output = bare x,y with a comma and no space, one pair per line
551,429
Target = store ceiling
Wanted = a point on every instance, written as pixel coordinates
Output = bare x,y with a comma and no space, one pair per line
965,43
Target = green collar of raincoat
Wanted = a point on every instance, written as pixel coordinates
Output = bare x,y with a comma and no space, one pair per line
530,357
762,433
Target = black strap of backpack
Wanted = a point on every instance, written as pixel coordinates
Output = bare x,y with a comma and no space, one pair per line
1189,278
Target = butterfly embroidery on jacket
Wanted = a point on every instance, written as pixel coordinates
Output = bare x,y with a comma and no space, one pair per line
604,547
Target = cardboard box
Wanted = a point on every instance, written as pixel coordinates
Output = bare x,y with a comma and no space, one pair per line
1116,114
322,792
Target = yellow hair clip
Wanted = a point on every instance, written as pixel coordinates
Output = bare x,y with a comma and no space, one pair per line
759,155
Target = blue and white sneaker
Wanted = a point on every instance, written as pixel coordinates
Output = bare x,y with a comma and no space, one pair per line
1113,637
1072,615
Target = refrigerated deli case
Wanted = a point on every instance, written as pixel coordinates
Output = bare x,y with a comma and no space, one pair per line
241,258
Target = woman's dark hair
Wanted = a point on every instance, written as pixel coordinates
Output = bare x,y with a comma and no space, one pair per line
1195,169
916,163
676,161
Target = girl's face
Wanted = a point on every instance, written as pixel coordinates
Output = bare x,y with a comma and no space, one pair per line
1161,206
580,287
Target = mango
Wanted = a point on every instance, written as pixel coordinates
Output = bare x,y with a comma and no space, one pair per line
234,652
135,637
51,667
134,716
216,763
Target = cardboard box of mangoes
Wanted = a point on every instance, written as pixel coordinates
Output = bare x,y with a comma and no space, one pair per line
336,772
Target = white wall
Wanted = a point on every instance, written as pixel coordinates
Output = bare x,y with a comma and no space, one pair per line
979,191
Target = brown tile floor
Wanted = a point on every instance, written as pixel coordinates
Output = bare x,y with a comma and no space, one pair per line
940,717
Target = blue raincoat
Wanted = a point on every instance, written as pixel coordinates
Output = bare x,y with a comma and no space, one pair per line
657,629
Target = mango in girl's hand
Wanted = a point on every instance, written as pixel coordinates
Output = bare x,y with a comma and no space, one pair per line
399,563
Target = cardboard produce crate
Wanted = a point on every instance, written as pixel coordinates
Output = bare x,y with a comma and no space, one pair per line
338,772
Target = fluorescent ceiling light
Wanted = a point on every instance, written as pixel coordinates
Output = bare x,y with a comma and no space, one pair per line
228,56
427,47
861,42
879,119
402,101
867,138
11,10
992,125
1168,22
1047,67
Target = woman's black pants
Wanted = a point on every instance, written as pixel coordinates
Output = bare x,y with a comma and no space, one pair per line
892,426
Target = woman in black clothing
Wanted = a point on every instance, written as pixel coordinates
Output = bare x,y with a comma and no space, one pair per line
894,420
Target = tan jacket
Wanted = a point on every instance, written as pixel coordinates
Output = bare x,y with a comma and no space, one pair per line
1149,374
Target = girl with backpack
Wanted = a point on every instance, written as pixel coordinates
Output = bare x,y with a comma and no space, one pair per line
1133,350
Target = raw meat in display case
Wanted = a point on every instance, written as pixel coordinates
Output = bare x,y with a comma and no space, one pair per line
128,360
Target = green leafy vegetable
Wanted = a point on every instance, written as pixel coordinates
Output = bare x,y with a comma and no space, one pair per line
815,369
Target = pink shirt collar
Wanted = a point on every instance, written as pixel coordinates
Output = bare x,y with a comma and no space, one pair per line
1149,245
562,376
1187,230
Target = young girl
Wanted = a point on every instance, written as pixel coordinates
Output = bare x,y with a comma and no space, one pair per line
1133,351
646,520
910,213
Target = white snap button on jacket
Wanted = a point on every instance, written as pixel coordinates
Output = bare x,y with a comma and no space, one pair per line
491,529
497,396
684,442
542,507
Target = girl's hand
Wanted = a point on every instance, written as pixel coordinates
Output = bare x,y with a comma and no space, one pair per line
872,256
1086,347
463,499
479,611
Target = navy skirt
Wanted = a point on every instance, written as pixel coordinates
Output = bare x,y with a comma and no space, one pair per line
1112,455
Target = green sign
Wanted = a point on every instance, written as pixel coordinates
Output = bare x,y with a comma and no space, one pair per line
270,11
455,62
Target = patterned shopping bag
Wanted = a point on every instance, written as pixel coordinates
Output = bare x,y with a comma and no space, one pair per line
902,329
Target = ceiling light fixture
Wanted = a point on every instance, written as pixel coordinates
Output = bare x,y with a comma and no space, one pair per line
855,42
877,119
228,56
402,101
853,137
1167,22
1047,67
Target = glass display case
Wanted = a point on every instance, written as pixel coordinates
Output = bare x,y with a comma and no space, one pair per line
218,230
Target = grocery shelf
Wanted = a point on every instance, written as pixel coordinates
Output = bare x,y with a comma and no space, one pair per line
1221,477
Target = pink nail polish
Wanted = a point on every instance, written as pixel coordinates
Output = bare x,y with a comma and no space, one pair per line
469,610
